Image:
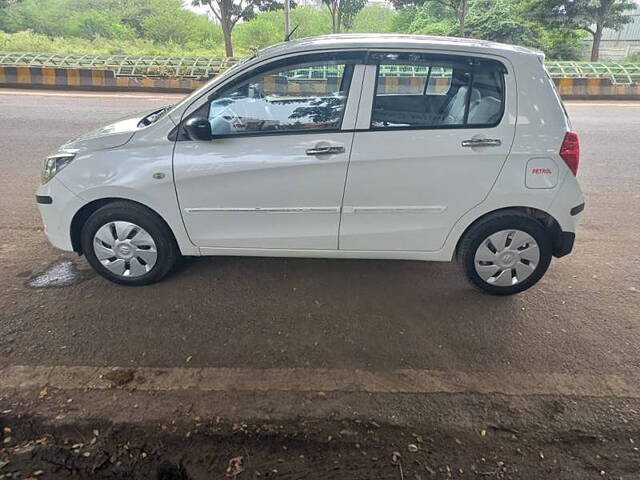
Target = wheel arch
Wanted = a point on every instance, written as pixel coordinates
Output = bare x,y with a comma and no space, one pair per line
544,218
82,215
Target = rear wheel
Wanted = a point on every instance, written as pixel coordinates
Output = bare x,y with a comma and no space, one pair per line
505,253
128,244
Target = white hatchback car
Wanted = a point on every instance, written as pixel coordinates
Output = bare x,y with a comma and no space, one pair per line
341,146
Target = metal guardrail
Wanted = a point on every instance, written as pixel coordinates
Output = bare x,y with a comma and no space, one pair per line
123,64
202,67
618,73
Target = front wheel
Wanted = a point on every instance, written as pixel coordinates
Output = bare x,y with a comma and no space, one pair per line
506,253
128,244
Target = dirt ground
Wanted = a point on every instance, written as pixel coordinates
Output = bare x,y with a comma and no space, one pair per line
312,450
179,436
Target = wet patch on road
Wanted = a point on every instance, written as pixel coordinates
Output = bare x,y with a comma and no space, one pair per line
62,273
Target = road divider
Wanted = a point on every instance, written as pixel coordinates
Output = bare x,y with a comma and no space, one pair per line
570,88
91,79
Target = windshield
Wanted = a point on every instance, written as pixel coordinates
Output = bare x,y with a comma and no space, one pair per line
198,92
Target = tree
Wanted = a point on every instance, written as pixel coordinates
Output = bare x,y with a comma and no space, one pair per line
230,12
459,8
343,12
6,3
374,19
592,16
505,21
500,21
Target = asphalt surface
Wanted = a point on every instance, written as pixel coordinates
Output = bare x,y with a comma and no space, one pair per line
376,316
262,312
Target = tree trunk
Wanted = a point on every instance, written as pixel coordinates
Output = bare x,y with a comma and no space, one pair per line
338,20
226,34
334,13
597,37
462,14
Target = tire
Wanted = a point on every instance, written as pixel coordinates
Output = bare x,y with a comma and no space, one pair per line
513,267
128,244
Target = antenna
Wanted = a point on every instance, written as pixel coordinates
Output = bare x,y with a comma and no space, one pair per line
288,36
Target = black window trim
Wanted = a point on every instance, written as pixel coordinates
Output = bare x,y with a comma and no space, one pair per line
427,55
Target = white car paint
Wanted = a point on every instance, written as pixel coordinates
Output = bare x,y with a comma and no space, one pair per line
386,196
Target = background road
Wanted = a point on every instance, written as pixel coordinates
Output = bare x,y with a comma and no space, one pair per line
262,312
581,321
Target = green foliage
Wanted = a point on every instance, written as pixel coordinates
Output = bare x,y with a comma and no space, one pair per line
169,23
268,28
431,18
5,3
163,27
499,21
49,18
592,16
349,10
310,21
560,44
27,41
92,24
343,13
505,21
374,19
581,14
264,30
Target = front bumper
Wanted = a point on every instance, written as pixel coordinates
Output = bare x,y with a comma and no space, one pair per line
57,206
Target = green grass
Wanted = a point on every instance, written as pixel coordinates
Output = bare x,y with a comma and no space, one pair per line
27,41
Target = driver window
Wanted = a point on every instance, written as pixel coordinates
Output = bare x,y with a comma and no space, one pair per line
301,97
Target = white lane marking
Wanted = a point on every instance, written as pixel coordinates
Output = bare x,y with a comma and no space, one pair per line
141,96
327,380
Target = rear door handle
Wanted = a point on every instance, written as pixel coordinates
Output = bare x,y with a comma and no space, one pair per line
482,142
325,150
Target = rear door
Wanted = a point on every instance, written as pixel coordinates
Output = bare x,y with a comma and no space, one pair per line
432,134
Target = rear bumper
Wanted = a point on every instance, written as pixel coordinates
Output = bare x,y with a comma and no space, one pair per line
564,244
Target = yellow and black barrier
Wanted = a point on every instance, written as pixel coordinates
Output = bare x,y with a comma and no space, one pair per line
94,79
596,88
89,79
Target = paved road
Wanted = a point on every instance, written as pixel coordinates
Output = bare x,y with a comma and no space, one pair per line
581,321
258,312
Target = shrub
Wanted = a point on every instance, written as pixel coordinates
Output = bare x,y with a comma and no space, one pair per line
98,24
374,19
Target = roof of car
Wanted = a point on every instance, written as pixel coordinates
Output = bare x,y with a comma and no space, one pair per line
391,41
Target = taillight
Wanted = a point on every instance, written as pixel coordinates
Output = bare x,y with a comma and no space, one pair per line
570,151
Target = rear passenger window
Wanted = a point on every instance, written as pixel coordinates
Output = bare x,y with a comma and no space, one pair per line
439,81
437,92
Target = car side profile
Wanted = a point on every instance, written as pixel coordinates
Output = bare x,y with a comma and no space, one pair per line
340,146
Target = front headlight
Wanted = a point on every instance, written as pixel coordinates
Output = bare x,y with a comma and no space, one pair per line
54,164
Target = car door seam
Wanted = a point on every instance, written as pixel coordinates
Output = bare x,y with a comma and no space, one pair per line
353,136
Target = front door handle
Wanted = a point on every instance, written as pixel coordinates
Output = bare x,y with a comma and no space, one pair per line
325,150
482,142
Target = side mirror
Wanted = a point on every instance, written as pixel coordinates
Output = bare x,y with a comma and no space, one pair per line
198,128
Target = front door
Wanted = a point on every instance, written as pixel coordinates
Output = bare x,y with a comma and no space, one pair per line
273,176
432,135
